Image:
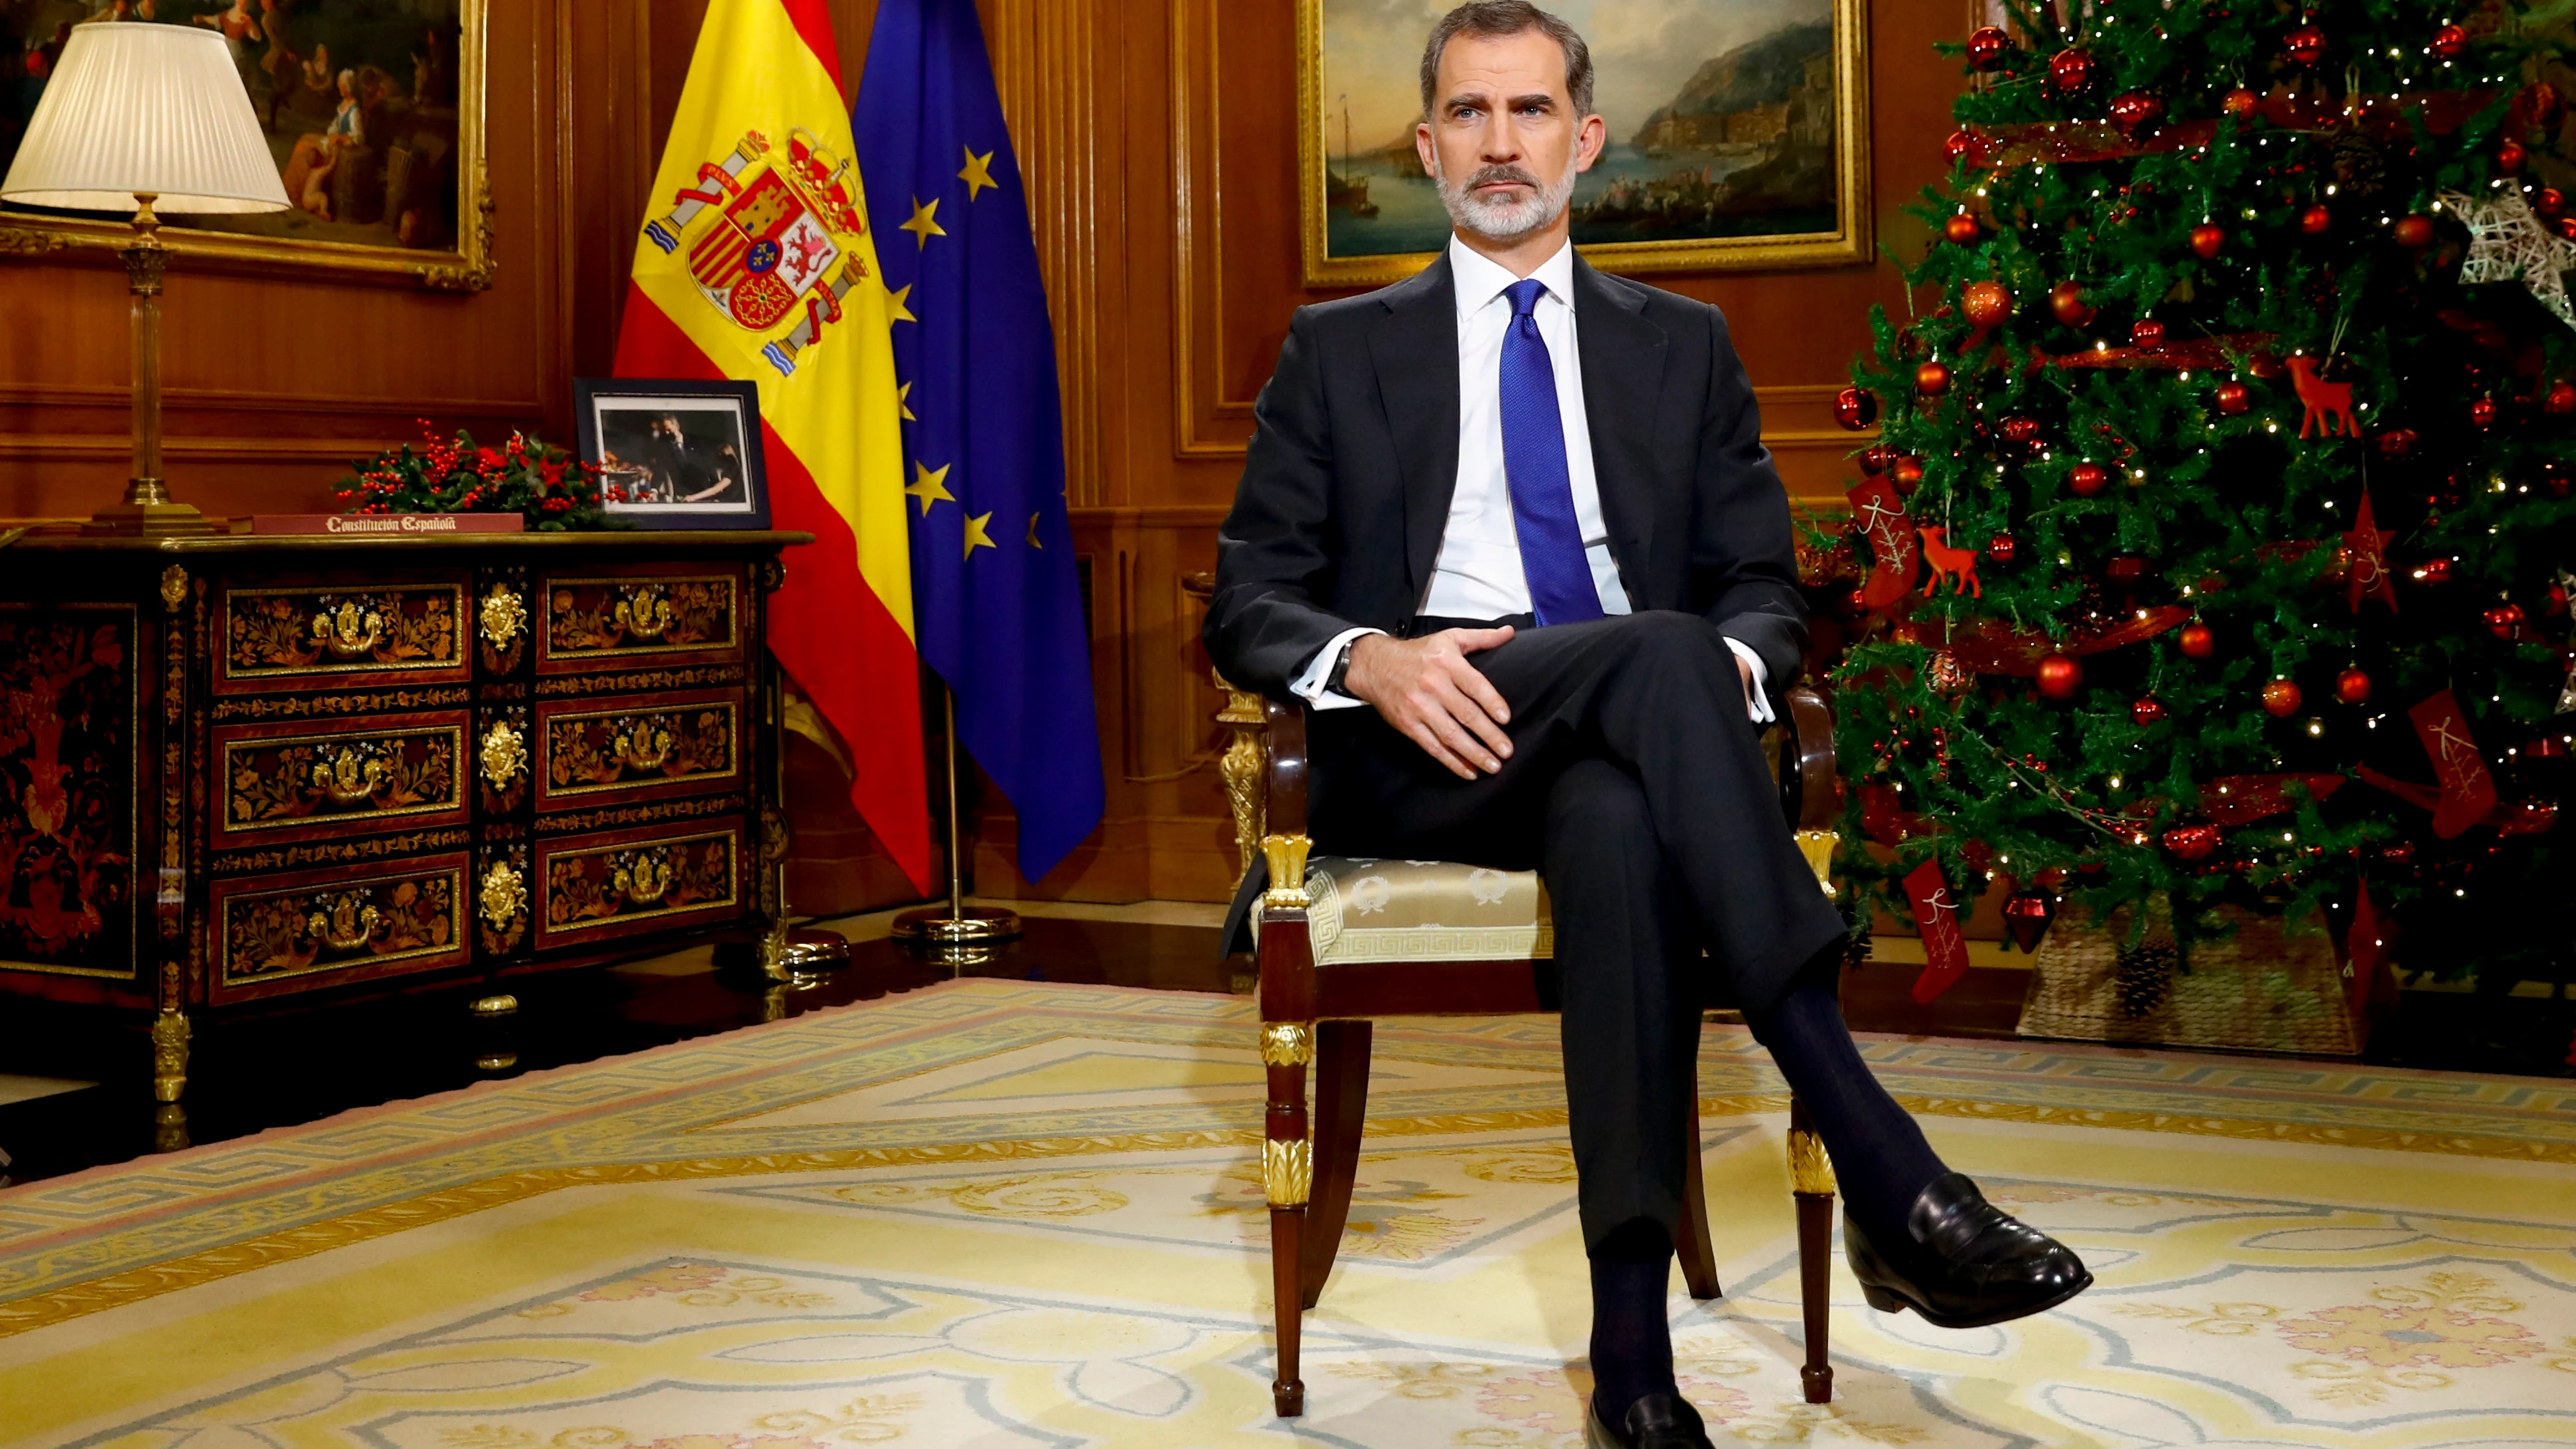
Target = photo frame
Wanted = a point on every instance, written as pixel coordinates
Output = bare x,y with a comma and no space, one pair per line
675,453
1739,137
374,113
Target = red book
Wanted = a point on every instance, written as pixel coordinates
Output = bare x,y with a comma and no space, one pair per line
387,525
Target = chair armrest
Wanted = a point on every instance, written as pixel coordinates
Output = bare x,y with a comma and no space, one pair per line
1811,789
1285,812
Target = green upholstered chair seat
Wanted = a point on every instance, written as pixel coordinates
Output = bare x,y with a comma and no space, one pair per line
1424,910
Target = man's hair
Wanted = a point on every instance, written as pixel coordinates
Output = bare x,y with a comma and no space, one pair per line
1494,19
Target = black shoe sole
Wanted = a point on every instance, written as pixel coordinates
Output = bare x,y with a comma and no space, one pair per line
1888,1300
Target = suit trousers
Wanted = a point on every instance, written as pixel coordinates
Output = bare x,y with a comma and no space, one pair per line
1637,789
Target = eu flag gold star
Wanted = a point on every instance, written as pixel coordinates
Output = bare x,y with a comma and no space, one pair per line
978,174
1033,532
901,312
930,486
925,223
976,537
903,402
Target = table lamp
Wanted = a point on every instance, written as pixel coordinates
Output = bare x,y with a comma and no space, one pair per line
138,115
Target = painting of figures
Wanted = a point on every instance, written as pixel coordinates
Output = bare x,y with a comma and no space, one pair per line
371,108
1737,136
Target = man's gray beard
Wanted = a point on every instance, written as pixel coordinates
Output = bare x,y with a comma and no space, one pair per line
1506,223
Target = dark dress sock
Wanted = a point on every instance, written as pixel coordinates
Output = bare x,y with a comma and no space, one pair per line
1880,1157
1632,1342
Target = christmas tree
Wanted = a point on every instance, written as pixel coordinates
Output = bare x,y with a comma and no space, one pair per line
2214,547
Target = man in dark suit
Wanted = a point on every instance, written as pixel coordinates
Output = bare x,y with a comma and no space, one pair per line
1509,530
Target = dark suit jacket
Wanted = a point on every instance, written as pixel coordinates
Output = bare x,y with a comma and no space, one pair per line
1345,494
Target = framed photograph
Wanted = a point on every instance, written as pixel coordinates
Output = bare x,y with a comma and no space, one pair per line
373,110
674,454
1739,137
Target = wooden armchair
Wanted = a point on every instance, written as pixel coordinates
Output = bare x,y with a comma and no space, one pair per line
1323,979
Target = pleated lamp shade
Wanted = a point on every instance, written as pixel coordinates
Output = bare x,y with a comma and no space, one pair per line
135,106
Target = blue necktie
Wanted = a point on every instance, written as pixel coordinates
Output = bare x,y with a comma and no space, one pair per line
1560,578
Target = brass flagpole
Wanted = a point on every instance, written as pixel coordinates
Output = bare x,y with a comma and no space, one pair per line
958,934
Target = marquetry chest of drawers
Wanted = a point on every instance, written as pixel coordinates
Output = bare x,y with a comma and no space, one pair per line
238,768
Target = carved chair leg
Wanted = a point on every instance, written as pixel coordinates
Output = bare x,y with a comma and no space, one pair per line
1341,1102
1811,1176
1287,1179
1690,1237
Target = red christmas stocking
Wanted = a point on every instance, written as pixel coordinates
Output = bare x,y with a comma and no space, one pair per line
1936,920
2468,791
1878,511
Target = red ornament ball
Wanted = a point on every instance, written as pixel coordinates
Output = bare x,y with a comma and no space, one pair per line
2066,303
2560,399
2281,699
2001,548
2449,41
2435,571
2397,852
1961,146
2398,442
2087,479
2234,398
2510,156
1986,303
2414,231
2060,675
2147,711
2554,473
2137,114
2316,220
2505,620
1907,470
1932,379
2070,70
2565,226
1960,228
2206,239
2549,202
1987,46
1874,459
2146,334
2192,842
2196,640
2021,430
2352,686
1855,409
2305,45
2241,102
2051,878
2482,412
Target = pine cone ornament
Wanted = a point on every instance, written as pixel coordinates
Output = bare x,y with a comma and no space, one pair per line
2360,166
2143,975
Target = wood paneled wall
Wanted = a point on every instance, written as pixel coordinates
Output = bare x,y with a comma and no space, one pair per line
1158,139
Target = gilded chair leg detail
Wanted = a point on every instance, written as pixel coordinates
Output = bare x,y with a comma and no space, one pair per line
1811,1175
1288,1180
1690,1235
1341,1104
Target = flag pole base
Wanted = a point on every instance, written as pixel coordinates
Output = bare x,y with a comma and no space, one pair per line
957,926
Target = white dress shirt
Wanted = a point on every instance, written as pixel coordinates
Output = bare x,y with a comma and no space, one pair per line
1478,574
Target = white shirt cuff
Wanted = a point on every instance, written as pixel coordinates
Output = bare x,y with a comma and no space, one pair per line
1309,686
1759,703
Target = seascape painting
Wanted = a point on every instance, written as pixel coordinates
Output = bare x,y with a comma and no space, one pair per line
1736,136
372,110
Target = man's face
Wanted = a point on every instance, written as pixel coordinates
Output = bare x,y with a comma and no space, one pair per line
1503,140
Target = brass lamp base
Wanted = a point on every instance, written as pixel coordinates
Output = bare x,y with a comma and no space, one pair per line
146,511
969,925
808,952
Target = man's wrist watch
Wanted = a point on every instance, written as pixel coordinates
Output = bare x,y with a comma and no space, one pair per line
1341,670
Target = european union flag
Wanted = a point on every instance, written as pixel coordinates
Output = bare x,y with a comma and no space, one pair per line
996,608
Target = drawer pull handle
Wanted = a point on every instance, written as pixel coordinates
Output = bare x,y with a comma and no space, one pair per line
643,877
347,923
349,630
350,774
645,744
645,613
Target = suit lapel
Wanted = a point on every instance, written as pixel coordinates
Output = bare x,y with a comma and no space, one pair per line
1415,349
1623,381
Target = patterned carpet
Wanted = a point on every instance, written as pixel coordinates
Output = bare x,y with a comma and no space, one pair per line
1000,1214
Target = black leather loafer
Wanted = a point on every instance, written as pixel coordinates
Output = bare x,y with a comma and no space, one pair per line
1657,1421
1967,1263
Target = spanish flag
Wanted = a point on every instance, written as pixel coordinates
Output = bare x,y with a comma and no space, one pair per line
755,262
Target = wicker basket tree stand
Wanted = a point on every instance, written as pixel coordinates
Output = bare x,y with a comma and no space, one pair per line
2260,990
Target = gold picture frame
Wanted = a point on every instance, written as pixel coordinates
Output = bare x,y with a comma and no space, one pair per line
1845,241
464,266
